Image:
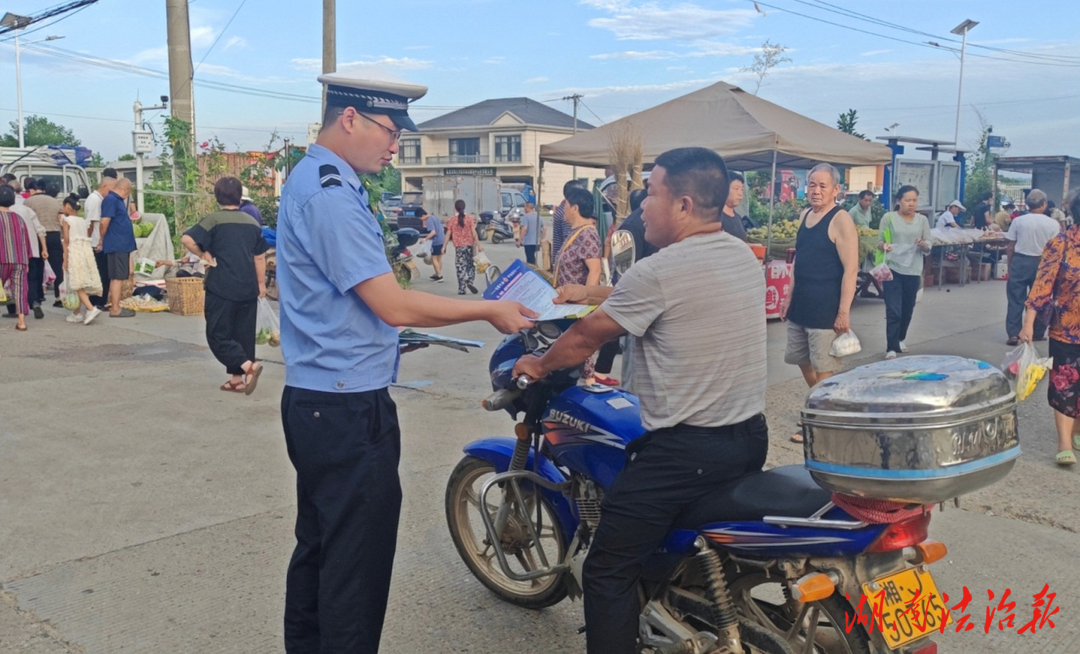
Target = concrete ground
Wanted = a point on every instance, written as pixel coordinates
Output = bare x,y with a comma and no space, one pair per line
143,510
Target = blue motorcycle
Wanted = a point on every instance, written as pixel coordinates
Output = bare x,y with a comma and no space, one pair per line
769,564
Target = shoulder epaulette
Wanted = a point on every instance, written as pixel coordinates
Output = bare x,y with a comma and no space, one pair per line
329,176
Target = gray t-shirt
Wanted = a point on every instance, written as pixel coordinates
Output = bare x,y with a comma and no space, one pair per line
697,311
530,222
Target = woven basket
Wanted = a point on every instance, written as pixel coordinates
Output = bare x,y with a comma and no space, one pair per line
185,295
127,288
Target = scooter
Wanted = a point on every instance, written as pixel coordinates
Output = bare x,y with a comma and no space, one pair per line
500,229
401,260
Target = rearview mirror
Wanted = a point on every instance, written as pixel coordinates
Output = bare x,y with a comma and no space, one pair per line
623,251
84,192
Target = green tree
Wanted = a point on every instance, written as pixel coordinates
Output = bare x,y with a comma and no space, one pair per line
980,168
126,157
39,130
847,121
97,161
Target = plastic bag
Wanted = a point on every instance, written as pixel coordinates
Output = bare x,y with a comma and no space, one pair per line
3,294
845,344
482,262
267,328
69,297
1026,366
901,256
423,251
881,273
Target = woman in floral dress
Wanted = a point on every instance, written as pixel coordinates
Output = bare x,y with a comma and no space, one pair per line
1057,287
579,260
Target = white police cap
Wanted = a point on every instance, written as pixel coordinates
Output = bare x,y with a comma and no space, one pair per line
373,97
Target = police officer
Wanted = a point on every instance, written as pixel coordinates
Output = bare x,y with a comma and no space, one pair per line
340,307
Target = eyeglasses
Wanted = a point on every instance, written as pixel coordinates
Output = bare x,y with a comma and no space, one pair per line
394,133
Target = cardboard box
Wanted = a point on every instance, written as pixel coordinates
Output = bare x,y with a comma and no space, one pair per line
952,274
982,272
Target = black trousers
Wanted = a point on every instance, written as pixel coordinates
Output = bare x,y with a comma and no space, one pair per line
1022,272
530,254
55,241
666,471
345,448
900,294
230,331
35,281
102,261
605,360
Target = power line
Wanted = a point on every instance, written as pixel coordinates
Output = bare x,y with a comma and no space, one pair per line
592,112
221,34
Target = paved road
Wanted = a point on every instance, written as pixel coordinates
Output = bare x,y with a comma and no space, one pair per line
143,510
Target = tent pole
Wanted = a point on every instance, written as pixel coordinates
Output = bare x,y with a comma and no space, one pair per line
772,204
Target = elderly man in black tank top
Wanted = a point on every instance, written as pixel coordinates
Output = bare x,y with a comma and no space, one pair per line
823,281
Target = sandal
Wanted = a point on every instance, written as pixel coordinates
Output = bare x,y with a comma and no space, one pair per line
20,328
252,378
233,387
1066,458
1076,441
798,437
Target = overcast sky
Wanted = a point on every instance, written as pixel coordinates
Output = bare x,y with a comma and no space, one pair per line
621,55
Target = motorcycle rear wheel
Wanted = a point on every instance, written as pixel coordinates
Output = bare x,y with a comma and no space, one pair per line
471,540
496,238
760,599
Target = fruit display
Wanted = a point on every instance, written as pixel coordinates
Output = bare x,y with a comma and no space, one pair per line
141,229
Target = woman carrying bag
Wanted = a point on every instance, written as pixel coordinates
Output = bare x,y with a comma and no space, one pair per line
463,236
905,241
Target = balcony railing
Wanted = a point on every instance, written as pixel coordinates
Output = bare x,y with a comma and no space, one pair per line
508,158
459,159
409,161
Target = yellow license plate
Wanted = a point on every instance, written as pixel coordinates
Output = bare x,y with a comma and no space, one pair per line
905,606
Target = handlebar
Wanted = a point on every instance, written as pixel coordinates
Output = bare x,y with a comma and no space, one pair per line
522,382
499,400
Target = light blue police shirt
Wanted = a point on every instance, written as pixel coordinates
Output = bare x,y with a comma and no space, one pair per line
328,241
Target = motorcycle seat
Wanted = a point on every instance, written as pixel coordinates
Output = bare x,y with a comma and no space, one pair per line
787,491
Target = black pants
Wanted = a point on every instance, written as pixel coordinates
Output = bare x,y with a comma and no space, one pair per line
35,281
900,294
55,241
666,471
605,360
230,331
1022,272
102,261
530,254
345,448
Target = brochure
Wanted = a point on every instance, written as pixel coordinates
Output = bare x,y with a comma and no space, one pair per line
521,283
410,337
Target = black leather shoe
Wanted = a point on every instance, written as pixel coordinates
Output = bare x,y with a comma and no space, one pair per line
38,313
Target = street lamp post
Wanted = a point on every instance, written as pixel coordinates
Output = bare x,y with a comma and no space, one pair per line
19,23
961,30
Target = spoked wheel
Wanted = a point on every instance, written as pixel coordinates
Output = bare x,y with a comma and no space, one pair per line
811,628
522,551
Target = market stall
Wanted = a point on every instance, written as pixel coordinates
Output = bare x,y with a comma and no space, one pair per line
954,248
749,132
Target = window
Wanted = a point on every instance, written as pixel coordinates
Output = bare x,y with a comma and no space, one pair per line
508,148
464,147
410,151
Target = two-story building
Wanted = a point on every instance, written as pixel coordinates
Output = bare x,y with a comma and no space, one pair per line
494,138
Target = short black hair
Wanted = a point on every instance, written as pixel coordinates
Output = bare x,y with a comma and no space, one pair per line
7,196
228,191
698,173
637,196
110,172
52,188
581,199
866,194
574,183
30,185
986,196
420,213
8,177
736,177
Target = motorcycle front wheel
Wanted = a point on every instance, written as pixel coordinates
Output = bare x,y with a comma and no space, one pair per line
816,627
478,552
496,238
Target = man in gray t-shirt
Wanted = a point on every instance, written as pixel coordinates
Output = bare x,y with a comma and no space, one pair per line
531,233
700,364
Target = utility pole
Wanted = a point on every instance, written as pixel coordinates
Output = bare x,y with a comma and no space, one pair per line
143,143
329,42
181,74
576,99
